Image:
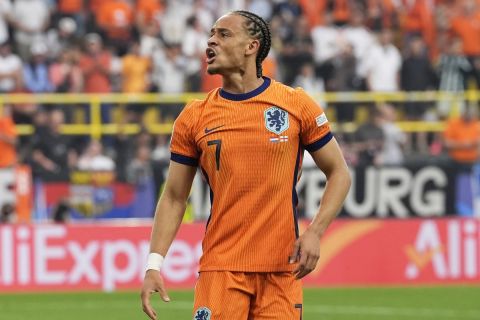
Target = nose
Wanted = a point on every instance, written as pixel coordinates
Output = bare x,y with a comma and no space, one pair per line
212,41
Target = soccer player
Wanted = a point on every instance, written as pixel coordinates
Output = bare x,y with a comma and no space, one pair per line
248,139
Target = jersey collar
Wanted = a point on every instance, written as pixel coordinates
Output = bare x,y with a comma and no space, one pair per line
247,95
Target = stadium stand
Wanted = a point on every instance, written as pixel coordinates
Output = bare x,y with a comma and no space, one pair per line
120,69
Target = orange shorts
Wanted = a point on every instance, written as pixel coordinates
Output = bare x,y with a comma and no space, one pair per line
226,295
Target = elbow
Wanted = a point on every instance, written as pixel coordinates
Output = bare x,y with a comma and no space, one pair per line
346,178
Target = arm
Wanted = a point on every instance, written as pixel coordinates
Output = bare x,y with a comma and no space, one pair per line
168,217
307,247
8,139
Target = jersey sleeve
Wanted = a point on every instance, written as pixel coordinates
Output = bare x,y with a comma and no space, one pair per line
315,129
182,146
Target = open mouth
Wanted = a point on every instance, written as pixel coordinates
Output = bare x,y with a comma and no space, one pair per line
211,54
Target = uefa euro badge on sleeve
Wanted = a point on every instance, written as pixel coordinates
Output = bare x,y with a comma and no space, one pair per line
276,120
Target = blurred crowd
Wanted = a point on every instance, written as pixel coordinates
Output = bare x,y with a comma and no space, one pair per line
102,46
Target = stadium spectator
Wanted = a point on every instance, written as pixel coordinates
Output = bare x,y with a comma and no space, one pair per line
148,12
344,78
286,13
8,138
150,41
160,160
314,11
297,50
193,49
325,47
417,74
7,214
462,137
30,21
169,69
135,71
94,159
115,19
73,9
203,14
307,80
140,174
362,39
384,63
382,14
172,25
63,37
35,71
139,170
452,68
262,8
341,10
53,154
11,70
5,18
135,78
394,138
95,64
65,73
369,139
466,25
417,19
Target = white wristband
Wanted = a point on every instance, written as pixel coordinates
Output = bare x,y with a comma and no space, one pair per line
154,261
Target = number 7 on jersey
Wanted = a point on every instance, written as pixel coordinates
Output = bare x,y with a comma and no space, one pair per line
218,147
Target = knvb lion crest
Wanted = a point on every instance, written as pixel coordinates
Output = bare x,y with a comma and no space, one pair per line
276,120
202,313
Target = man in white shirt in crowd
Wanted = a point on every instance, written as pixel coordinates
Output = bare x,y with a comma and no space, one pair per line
384,63
10,70
30,19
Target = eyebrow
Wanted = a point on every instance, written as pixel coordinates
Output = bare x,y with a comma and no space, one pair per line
220,30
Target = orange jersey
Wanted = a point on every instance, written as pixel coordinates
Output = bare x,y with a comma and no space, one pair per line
8,153
459,130
70,6
250,147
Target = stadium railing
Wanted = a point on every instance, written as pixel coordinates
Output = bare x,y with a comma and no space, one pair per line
96,128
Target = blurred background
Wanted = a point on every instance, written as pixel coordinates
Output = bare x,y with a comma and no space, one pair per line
89,90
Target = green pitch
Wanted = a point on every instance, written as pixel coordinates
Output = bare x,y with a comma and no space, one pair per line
422,303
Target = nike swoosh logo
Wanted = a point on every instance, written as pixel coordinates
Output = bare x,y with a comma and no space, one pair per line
213,129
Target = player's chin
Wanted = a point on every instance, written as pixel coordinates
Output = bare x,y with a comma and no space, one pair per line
213,70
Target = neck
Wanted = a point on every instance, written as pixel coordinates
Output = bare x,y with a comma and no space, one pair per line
241,83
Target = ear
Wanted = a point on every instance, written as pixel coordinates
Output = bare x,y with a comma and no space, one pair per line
252,47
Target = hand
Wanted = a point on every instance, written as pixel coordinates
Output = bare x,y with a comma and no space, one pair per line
49,165
152,282
306,251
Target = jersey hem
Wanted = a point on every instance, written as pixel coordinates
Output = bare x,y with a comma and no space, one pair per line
270,268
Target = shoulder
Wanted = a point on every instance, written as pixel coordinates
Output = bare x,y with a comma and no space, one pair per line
192,110
287,92
298,95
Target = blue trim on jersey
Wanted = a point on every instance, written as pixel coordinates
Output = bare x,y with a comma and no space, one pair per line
211,196
246,95
294,190
189,161
312,147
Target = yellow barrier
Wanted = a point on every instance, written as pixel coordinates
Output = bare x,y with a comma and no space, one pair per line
96,129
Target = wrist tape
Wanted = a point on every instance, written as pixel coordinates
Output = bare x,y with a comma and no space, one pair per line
154,261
